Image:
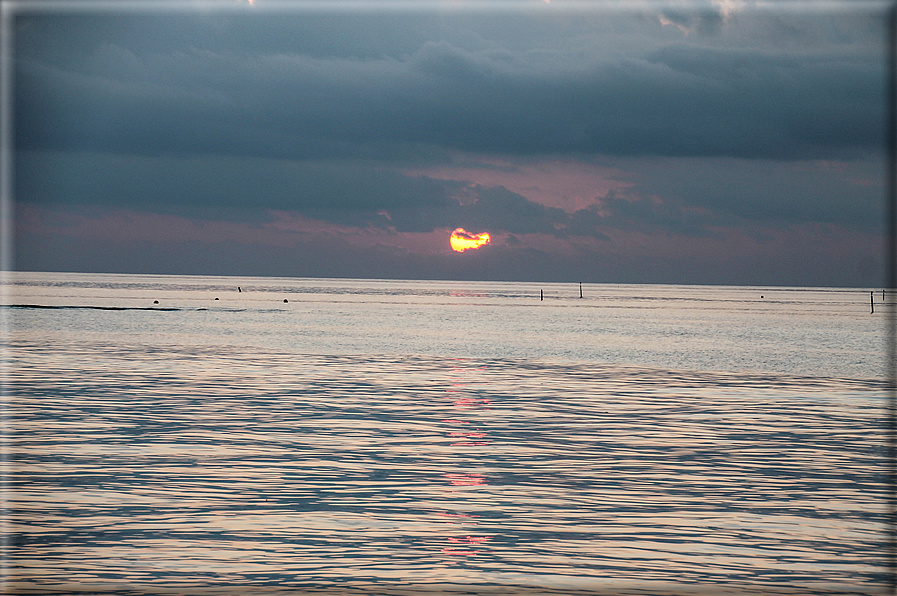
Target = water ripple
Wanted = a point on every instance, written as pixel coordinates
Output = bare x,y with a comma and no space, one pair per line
172,471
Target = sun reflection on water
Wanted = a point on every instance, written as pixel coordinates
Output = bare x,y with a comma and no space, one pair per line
466,407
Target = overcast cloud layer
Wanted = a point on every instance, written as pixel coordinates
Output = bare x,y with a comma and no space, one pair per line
682,142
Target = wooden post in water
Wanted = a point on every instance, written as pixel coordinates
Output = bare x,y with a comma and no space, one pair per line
872,301
541,295
580,289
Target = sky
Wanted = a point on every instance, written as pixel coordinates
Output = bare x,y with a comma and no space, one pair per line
723,142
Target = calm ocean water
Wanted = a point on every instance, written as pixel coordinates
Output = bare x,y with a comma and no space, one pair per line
362,436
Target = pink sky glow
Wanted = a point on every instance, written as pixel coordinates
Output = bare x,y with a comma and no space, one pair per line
289,228
567,184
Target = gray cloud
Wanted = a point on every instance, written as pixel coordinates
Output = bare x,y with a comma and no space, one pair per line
626,211
847,192
682,99
759,122
691,197
222,181
225,187
795,264
704,19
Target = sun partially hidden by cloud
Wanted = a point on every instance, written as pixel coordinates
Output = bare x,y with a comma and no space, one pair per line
462,240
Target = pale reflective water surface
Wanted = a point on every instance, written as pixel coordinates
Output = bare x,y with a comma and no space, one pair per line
390,436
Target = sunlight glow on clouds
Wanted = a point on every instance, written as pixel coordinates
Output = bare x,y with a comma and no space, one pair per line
567,184
462,240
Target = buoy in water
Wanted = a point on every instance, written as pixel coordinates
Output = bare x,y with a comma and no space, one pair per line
285,300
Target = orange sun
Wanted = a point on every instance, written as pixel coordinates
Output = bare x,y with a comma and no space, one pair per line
462,240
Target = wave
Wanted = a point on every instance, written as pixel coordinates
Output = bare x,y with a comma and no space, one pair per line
45,306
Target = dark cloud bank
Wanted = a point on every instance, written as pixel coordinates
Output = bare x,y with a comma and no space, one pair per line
680,100
227,116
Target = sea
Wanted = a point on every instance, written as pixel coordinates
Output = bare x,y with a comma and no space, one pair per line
244,435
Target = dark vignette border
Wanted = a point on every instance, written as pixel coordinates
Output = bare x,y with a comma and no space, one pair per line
891,283
8,8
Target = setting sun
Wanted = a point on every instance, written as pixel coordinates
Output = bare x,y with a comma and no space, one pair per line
462,240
